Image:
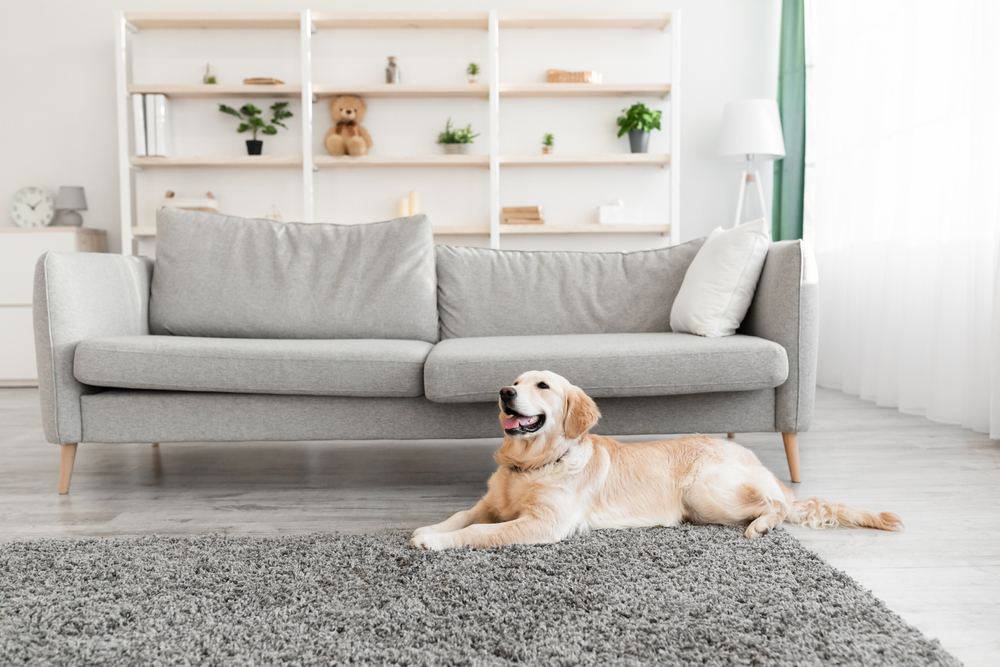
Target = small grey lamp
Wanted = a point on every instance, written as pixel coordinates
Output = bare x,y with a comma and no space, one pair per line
70,200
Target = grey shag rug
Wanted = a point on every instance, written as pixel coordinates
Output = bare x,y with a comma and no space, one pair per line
675,596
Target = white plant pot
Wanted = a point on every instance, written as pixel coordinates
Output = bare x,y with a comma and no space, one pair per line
473,79
456,149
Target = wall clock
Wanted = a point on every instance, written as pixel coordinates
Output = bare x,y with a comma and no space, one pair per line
32,207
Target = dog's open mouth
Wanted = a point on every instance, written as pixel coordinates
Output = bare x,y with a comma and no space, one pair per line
515,423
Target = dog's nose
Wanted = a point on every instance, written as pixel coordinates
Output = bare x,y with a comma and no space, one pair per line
508,393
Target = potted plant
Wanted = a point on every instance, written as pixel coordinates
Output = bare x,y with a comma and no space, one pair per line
638,120
456,141
548,144
251,120
473,71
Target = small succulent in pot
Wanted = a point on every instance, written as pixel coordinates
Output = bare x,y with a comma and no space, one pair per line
473,71
639,120
251,121
456,141
548,144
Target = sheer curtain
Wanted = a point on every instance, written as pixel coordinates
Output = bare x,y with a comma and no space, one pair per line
902,202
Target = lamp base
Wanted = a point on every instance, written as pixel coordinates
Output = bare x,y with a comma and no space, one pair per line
67,218
748,177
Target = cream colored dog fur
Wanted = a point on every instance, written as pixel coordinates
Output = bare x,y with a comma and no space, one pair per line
556,479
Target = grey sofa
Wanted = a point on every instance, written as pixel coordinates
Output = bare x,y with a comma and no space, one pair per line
247,330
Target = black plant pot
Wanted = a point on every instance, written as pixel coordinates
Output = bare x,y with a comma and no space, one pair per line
638,140
254,146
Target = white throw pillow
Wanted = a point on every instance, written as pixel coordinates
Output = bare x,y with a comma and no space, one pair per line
719,284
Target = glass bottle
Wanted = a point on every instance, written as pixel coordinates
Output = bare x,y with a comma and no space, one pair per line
392,74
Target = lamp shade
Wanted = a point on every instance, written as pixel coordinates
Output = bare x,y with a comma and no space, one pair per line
751,127
71,198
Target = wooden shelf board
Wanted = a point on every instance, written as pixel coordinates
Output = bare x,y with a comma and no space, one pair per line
660,90
345,162
409,90
208,91
622,159
399,20
373,90
463,230
54,229
588,21
242,161
149,231
662,230
396,20
214,20
329,161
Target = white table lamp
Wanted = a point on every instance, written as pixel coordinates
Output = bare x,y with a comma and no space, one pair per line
751,131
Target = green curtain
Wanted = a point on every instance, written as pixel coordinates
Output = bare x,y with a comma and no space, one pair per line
789,173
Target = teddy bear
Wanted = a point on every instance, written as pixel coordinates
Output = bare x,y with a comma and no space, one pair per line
347,136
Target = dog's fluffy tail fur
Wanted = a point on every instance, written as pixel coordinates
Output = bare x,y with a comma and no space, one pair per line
820,514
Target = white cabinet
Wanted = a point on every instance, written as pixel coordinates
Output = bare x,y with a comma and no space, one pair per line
19,251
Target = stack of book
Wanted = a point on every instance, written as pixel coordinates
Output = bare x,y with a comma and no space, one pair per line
524,215
151,124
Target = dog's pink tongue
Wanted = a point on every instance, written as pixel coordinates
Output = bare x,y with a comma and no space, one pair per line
514,422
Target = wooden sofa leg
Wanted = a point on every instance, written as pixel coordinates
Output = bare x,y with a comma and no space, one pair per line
156,444
66,467
792,454
731,436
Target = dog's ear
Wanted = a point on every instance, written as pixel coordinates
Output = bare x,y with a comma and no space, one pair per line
581,413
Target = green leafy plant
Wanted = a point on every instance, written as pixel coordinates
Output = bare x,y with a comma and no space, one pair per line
472,69
251,120
549,140
460,136
639,117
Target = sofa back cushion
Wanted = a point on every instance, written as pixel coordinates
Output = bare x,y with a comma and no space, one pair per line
222,276
485,292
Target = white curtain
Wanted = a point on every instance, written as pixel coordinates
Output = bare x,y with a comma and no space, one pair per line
902,202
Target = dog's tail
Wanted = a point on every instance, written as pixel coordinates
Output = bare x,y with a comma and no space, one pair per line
820,514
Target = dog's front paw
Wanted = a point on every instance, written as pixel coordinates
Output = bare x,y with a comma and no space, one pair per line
759,527
425,530
432,541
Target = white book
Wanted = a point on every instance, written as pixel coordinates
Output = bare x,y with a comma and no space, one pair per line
139,123
150,104
162,125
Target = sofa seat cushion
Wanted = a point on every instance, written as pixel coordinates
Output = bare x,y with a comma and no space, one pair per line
461,370
355,367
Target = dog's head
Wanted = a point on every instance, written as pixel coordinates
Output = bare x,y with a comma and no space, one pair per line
541,403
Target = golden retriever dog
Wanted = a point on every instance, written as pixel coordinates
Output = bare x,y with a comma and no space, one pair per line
556,479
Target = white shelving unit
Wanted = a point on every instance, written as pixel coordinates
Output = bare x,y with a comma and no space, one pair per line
492,23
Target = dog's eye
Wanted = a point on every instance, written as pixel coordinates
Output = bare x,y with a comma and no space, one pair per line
542,385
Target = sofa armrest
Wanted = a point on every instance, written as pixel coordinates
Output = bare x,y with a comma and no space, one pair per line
785,309
79,296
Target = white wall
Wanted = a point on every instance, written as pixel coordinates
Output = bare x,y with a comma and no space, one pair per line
58,70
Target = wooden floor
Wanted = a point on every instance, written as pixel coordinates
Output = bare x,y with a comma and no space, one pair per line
942,574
